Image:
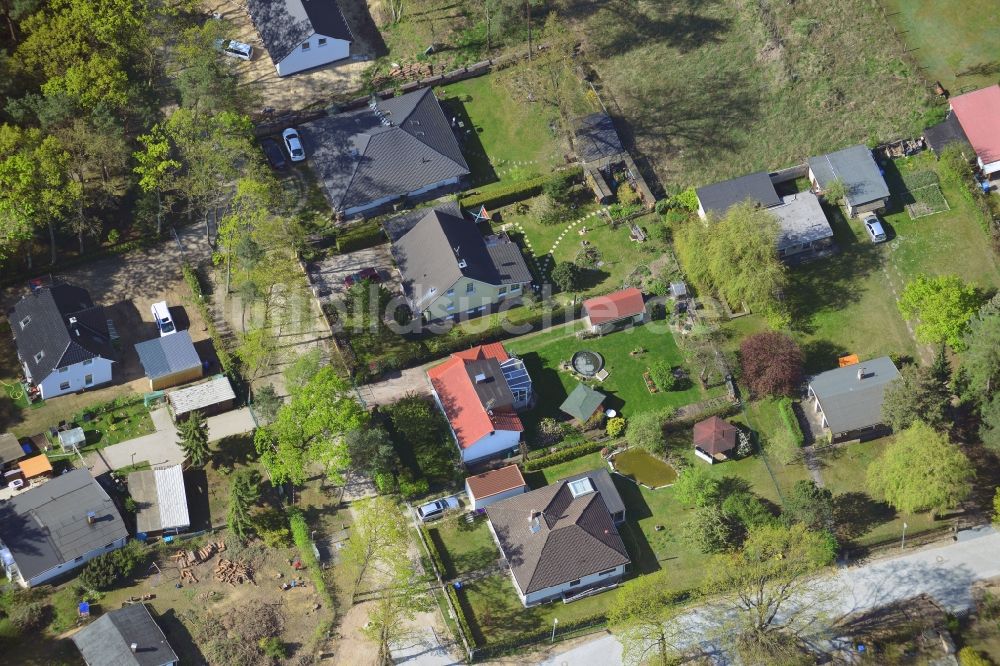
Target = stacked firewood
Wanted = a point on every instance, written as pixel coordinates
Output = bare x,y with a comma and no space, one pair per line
234,571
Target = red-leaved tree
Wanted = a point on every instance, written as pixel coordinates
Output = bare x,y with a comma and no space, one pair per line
772,364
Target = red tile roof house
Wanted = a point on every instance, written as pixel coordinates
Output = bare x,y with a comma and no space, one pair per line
479,391
978,113
495,485
603,314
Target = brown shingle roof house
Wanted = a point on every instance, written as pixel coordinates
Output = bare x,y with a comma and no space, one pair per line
560,540
495,485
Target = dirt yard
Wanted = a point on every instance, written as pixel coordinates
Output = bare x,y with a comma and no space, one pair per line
316,87
126,286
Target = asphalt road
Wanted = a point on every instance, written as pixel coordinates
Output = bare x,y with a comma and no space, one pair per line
945,573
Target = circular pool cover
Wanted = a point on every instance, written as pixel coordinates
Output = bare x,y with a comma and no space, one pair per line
588,363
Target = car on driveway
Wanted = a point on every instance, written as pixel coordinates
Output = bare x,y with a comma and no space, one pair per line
293,144
436,509
272,151
874,227
369,274
234,49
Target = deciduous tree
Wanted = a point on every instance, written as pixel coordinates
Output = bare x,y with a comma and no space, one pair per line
645,431
371,451
772,364
643,616
943,305
566,276
921,470
378,543
810,505
419,426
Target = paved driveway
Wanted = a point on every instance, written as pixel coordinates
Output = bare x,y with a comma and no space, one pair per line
327,275
394,385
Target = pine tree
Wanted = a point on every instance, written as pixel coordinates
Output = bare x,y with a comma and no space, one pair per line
193,433
244,491
941,368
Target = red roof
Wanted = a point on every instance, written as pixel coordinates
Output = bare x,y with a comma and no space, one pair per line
495,481
619,305
466,413
979,114
713,435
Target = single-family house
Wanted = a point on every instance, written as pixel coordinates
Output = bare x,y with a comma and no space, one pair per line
562,540
848,399
450,270
480,390
63,341
56,527
978,112
582,403
382,153
864,187
301,34
718,198
495,485
604,314
714,439
210,397
169,360
802,225
160,500
126,636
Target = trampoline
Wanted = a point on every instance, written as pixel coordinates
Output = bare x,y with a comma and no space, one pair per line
587,363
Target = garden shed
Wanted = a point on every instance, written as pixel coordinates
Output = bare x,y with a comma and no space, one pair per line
495,485
170,360
210,397
582,403
714,439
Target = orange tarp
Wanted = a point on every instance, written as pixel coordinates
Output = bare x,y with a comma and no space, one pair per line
849,360
36,466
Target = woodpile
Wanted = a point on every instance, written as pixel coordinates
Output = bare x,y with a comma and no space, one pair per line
232,572
189,558
187,574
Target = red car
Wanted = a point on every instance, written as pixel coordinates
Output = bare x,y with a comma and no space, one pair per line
369,274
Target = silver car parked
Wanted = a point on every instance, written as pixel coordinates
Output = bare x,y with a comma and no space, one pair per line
875,229
436,509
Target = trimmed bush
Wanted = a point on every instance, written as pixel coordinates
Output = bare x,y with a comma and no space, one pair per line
791,421
435,553
662,374
360,236
510,193
498,648
463,622
563,455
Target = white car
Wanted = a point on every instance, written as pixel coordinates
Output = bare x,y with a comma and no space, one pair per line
436,509
874,227
164,322
293,144
234,49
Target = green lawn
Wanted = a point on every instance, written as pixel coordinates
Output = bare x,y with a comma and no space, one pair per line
464,548
510,140
625,387
958,47
717,90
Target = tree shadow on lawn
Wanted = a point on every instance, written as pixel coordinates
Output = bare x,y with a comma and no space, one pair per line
179,637
590,278
456,565
497,611
856,513
232,451
821,355
475,155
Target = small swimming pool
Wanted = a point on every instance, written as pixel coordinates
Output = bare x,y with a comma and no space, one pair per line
643,467
587,363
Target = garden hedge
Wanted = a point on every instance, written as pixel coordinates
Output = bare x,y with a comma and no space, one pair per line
791,421
499,648
463,621
360,236
435,553
300,535
509,193
563,455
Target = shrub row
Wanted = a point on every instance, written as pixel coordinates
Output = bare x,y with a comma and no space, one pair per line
509,193
300,535
463,621
499,648
563,455
791,421
360,237
226,359
435,553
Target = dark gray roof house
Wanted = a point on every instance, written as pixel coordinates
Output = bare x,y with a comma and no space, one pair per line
52,524
856,169
595,138
125,637
850,398
442,248
390,149
560,534
720,197
57,327
285,25
10,450
945,133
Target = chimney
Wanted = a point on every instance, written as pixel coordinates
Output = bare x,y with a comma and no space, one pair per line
534,523
861,373
135,647
91,517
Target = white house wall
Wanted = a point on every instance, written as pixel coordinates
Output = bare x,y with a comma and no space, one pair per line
483,502
490,445
69,566
75,375
299,60
593,580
